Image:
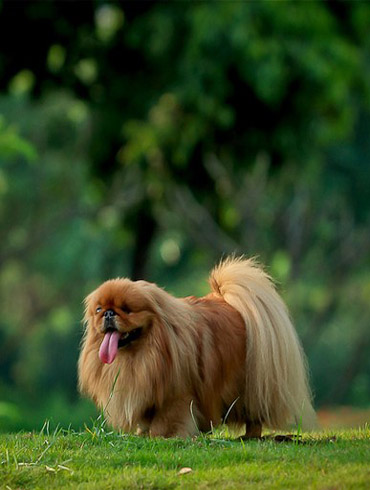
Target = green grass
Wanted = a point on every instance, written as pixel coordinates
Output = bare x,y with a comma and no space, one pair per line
96,459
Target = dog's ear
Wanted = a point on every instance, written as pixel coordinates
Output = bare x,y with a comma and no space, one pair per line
87,310
169,310
154,295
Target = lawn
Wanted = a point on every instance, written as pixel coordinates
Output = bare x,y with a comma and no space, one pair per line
95,459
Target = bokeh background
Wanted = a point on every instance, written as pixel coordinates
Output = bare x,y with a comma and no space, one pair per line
149,139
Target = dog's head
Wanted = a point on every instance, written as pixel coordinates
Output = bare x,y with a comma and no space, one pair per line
120,314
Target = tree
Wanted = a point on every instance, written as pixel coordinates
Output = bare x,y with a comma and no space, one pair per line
173,88
167,135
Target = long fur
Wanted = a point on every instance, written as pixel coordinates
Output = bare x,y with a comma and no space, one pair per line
197,357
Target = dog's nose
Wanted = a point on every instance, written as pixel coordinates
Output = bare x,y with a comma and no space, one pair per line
109,314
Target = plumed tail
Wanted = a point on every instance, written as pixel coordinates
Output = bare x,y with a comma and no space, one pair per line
277,390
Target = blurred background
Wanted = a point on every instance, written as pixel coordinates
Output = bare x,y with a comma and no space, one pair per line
149,139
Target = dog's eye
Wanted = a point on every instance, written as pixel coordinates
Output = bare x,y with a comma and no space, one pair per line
98,309
125,309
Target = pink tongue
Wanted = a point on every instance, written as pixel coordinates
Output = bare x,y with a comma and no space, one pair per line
109,347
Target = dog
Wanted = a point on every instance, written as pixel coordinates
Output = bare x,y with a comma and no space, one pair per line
171,367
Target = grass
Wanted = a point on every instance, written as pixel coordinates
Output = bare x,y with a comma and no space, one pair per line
97,459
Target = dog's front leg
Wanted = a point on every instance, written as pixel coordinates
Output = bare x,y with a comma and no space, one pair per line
253,430
176,418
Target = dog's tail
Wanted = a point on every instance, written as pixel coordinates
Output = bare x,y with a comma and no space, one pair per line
277,390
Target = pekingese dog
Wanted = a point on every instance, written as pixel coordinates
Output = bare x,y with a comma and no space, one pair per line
167,366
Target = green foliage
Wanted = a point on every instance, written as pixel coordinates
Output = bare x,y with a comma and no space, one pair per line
11,145
149,139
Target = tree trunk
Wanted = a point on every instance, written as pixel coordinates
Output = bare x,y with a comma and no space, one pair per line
145,226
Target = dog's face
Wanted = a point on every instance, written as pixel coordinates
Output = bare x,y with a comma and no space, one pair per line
120,313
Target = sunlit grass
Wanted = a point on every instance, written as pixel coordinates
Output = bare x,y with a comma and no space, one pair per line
100,459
